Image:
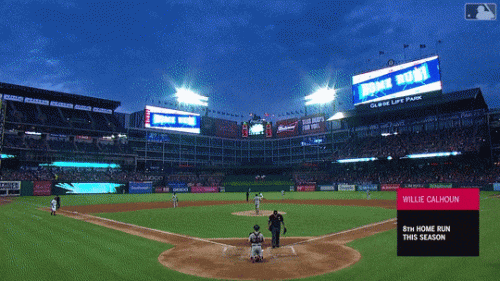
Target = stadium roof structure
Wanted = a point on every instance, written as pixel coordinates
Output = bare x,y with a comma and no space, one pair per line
11,89
466,100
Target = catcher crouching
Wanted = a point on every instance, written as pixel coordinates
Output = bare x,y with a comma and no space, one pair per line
256,238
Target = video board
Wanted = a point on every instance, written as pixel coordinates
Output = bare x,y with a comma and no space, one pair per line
400,81
171,120
313,124
287,128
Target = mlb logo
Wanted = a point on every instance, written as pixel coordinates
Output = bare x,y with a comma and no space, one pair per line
481,11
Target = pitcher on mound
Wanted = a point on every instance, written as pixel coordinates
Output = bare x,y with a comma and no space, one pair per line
257,200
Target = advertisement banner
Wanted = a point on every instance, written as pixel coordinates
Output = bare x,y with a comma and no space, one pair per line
162,190
365,187
469,185
204,189
226,128
496,186
313,124
292,188
287,128
389,186
42,188
440,185
140,187
10,185
222,189
306,188
207,127
414,185
180,189
327,187
346,187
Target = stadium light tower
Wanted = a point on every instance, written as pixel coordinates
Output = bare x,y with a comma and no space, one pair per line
186,96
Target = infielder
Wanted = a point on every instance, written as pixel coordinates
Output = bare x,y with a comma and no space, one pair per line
257,200
256,238
53,206
175,200
282,194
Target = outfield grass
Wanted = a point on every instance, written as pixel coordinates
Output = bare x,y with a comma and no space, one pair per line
74,200
217,221
37,246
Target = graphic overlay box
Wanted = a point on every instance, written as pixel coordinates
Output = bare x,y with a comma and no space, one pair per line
480,11
438,222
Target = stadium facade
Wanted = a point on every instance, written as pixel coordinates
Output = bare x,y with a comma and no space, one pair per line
42,126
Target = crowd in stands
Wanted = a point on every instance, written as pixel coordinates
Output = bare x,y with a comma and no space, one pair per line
196,179
439,173
442,173
14,141
399,145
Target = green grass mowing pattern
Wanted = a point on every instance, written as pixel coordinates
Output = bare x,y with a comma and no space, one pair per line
218,221
75,200
36,246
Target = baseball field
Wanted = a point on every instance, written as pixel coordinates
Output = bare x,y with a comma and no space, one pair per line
331,236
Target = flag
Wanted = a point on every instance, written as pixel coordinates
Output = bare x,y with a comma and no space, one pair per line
288,113
405,46
218,112
439,41
422,46
297,112
380,52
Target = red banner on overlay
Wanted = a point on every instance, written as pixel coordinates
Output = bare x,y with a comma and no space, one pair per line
42,188
306,188
204,189
438,199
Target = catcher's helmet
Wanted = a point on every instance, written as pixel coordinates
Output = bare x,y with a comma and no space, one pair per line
256,227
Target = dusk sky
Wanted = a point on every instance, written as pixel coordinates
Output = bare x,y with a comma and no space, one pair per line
245,55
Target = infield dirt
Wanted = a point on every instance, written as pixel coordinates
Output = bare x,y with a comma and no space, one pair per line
222,258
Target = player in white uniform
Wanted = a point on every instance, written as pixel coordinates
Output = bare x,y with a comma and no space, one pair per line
256,238
282,194
53,206
175,200
257,200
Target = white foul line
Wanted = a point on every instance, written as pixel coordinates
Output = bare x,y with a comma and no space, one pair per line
345,231
161,231
293,250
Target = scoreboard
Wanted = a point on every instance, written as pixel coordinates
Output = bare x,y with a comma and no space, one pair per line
398,84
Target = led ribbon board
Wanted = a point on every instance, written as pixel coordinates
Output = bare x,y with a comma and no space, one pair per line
172,120
418,77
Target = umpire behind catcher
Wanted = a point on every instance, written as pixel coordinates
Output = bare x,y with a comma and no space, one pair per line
274,224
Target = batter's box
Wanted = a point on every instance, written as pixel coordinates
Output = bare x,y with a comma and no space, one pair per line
283,252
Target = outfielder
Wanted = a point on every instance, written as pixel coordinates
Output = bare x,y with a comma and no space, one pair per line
367,194
53,206
257,200
175,200
256,238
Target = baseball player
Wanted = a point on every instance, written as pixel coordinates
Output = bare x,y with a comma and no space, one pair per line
261,195
274,225
256,238
257,200
367,194
175,200
53,206
58,200
282,194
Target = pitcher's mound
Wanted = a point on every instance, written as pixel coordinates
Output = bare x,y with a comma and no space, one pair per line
262,213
